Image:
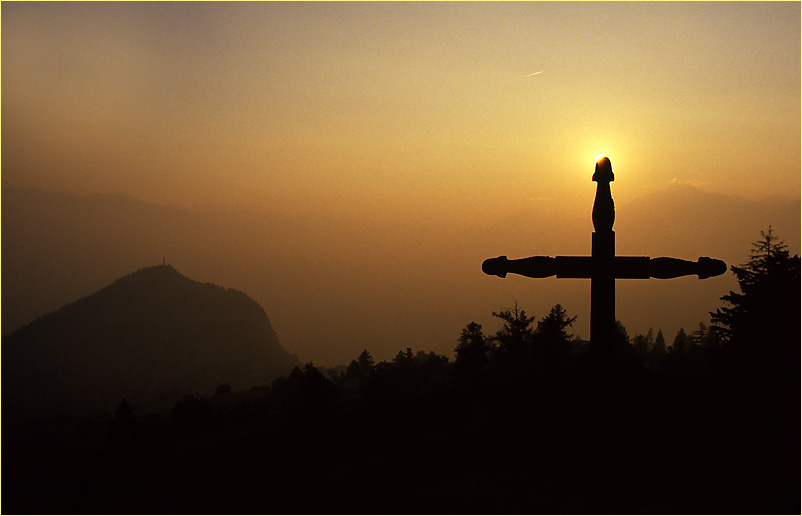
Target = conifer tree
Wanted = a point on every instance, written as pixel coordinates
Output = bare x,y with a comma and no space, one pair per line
764,317
517,332
682,342
658,350
472,352
553,326
362,367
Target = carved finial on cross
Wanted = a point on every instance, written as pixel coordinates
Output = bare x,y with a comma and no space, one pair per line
603,207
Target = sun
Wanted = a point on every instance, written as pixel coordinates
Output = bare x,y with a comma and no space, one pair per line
600,156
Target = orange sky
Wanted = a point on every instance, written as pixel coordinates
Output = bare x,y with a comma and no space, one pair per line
232,103
401,113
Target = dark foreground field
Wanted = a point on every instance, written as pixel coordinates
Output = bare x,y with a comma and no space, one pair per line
573,443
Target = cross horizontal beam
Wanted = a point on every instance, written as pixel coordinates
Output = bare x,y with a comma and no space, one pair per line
621,267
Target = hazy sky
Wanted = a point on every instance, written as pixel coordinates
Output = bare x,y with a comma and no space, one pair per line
412,114
336,102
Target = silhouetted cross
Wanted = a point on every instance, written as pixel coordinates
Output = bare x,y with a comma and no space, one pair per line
603,267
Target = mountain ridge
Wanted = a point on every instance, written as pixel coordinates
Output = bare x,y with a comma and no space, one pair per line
148,333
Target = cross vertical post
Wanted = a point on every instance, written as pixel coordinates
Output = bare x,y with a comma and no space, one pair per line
602,281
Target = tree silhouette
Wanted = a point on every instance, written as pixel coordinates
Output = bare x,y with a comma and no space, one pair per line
705,337
760,324
555,323
682,344
625,356
431,363
405,359
361,368
516,334
365,362
766,311
640,343
472,353
658,350
304,392
552,341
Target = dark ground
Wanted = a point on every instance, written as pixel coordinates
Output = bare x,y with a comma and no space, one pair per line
650,443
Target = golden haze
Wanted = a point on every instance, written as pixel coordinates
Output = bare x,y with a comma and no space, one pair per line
420,121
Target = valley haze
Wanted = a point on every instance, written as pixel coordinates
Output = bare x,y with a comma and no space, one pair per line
333,286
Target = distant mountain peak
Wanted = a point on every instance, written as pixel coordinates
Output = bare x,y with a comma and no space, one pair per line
160,277
162,270
140,337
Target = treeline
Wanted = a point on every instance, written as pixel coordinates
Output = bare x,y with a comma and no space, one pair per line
756,330
524,420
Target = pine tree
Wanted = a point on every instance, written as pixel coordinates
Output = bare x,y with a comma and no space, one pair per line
472,352
365,361
362,367
682,342
658,350
553,326
764,317
640,343
517,332
552,340
699,337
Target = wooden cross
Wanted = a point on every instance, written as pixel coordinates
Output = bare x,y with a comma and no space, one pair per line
603,267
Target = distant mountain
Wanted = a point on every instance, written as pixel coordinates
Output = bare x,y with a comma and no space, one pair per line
59,247
149,337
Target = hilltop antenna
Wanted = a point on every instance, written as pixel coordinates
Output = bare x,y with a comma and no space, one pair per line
164,261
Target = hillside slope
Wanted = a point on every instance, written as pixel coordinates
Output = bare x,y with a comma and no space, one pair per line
150,336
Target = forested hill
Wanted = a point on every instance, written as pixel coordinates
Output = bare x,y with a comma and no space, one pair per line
151,336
